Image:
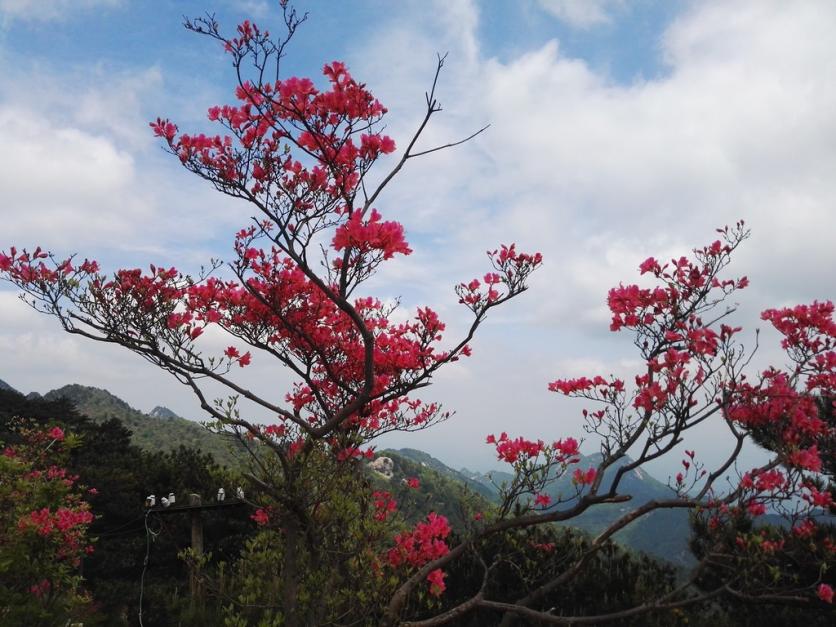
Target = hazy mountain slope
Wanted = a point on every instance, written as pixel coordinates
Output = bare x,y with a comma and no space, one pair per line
438,490
425,460
149,432
662,534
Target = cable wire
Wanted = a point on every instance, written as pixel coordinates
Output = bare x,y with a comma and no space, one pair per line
149,537
117,530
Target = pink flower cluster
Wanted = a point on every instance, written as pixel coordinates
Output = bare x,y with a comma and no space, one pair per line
384,505
512,451
584,477
368,235
566,451
683,283
425,543
583,385
765,481
261,517
421,545
512,268
62,520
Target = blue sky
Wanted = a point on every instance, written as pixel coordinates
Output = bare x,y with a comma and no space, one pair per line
619,130
124,35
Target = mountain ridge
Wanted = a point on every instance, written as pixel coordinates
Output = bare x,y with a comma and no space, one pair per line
160,411
662,534
162,432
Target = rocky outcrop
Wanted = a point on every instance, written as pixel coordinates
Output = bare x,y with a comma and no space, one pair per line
383,466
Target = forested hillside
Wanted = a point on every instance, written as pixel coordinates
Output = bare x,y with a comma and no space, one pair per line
161,430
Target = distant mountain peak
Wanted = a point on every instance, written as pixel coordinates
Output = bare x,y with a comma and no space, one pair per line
163,413
81,394
6,386
160,430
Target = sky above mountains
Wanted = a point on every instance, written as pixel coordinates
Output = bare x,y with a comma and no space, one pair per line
618,130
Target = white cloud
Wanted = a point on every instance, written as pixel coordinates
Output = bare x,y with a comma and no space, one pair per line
58,182
582,13
72,190
114,104
49,10
599,175
96,99
38,356
253,8
80,170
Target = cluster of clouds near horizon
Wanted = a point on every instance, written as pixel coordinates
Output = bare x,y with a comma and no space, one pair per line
618,131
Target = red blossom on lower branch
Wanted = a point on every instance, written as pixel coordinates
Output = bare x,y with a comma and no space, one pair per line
261,517
56,433
542,500
566,451
584,477
436,580
41,588
808,459
805,529
425,543
384,505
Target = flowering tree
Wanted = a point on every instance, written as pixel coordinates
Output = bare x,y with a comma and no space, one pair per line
694,371
292,294
43,531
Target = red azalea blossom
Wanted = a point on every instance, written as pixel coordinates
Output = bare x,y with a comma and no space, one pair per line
424,543
511,451
56,433
384,505
805,528
566,450
41,588
808,459
756,509
581,477
261,517
436,579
